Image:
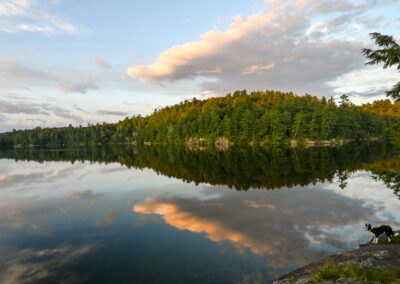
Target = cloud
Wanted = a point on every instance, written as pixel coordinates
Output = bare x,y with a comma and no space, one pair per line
20,213
18,218
37,265
14,74
98,61
18,113
280,47
257,68
209,95
369,82
109,112
8,107
254,221
25,16
78,87
106,220
64,113
85,195
13,180
21,75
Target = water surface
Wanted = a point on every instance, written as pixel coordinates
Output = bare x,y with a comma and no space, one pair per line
170,215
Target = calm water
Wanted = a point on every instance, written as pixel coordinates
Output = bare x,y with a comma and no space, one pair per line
169,215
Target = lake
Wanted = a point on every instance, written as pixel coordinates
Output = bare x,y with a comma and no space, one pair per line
164,214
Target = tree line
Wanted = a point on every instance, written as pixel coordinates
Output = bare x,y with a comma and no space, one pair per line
261,116
59,136
270,116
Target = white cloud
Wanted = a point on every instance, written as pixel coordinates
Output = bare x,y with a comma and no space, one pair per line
290,46
371,81
24,15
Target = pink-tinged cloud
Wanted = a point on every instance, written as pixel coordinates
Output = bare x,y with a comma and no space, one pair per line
290,46
214,230
211,43
258,68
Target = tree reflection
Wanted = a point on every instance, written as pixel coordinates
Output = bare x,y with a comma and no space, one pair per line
237,167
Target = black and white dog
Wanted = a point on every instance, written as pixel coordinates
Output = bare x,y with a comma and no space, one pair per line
376,232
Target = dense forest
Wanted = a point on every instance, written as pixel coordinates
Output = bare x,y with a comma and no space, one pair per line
268,117
60,136
261,116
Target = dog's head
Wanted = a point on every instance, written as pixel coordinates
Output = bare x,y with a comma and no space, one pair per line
368,227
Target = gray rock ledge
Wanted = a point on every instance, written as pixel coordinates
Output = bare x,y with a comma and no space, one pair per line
372,256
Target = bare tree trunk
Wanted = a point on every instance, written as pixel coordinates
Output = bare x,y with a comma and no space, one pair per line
297,127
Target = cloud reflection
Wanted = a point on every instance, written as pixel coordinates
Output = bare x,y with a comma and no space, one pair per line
288,227
85,195
106,220
18,213
34,265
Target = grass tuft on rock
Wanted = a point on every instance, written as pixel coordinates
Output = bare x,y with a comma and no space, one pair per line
332,272
395,240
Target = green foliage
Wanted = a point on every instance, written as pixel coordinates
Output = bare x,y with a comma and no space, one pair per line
271,117
92,134
389,55
259,116
344,101
394,240
328,272
332,272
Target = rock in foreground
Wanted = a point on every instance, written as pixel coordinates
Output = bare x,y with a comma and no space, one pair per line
370,256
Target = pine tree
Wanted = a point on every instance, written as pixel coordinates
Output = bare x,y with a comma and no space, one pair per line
389,55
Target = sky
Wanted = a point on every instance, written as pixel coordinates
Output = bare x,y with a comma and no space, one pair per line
78,62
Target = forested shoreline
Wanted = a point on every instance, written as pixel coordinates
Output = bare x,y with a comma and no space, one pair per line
259,117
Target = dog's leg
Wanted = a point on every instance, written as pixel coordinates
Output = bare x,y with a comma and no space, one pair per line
389,239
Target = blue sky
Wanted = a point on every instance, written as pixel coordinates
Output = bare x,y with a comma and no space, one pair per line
78,62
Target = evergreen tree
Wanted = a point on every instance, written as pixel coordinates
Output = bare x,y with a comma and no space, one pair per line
389,55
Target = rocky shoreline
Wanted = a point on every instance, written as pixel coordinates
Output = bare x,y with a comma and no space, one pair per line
369,255
222,143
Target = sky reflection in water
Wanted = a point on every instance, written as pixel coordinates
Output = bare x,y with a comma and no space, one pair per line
91,222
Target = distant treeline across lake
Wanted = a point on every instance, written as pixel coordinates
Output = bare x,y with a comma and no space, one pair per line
268,117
